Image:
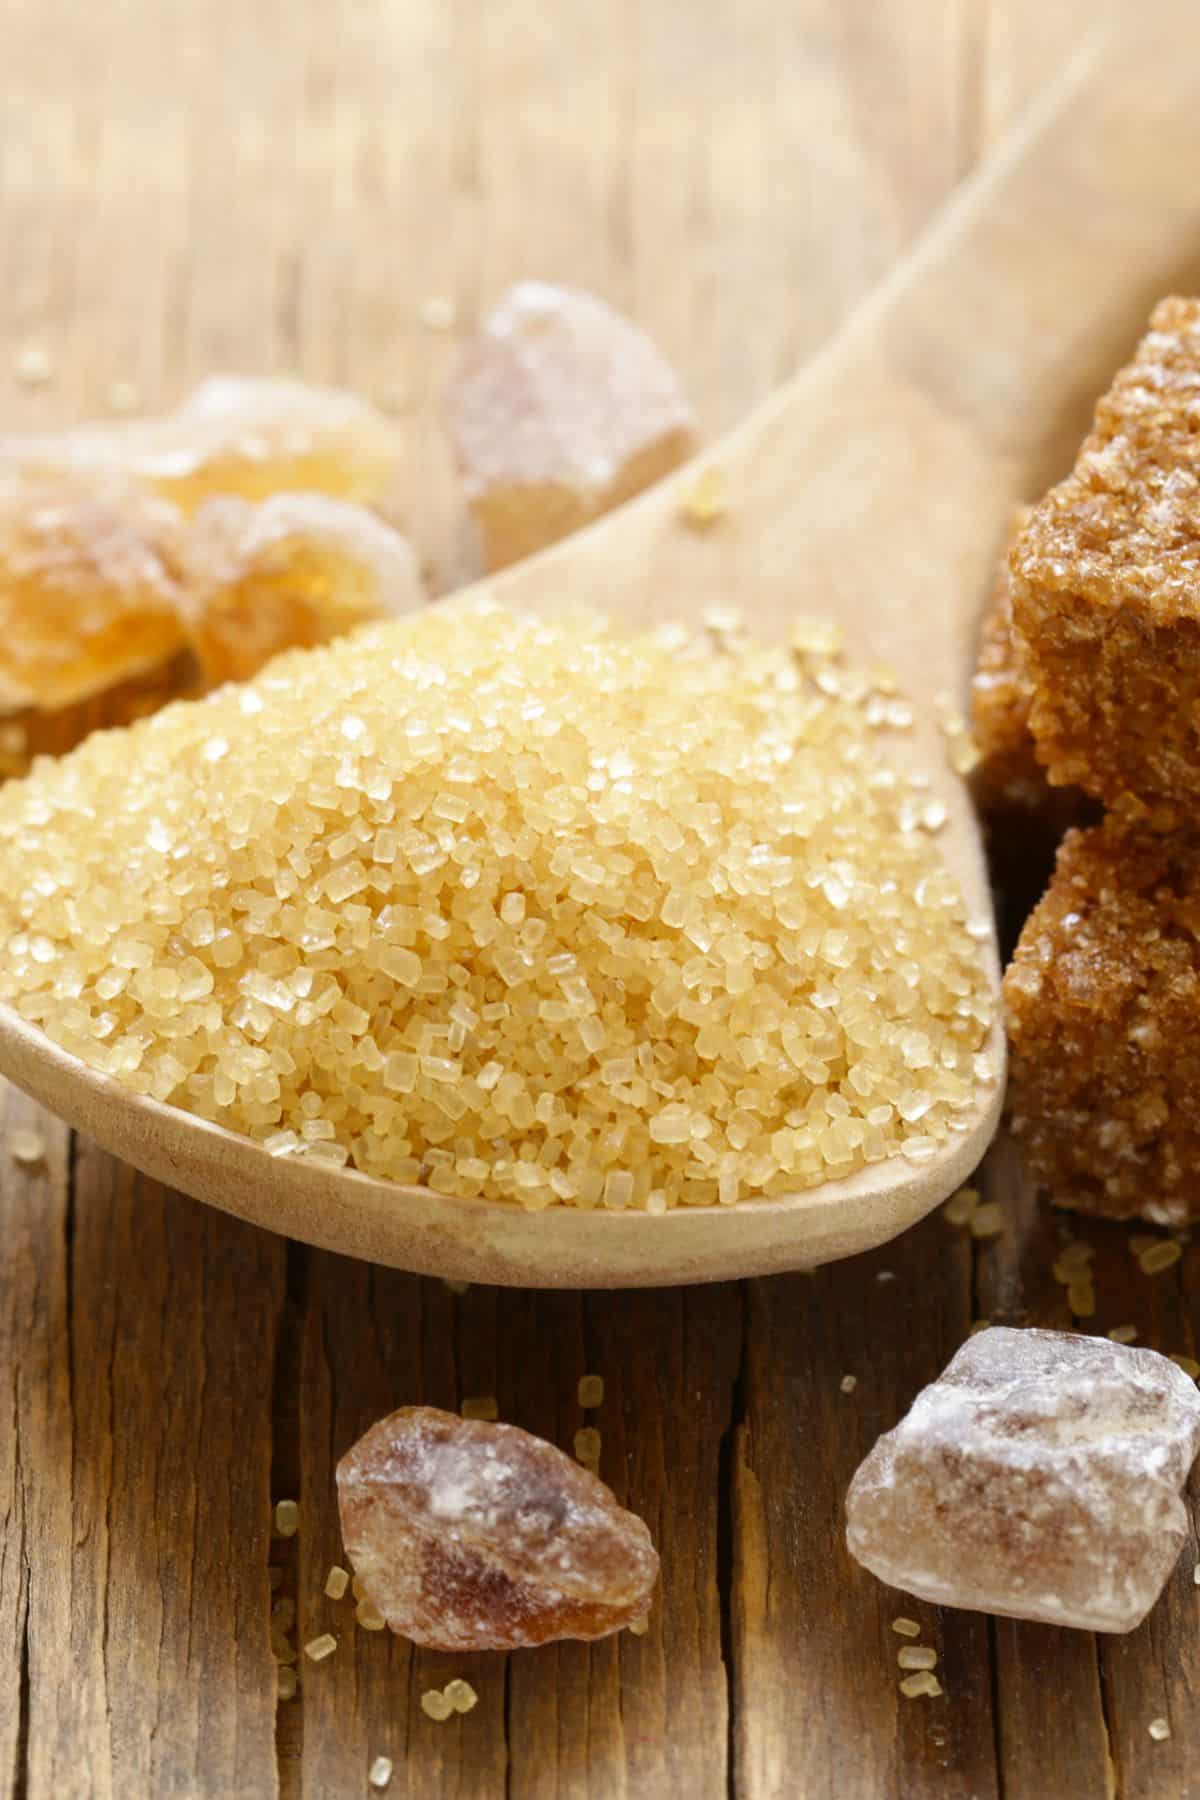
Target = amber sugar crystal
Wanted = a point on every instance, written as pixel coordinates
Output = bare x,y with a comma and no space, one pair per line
89,588
1102,996
561,408
293,571
1106,587
234,434
472,1536
540,912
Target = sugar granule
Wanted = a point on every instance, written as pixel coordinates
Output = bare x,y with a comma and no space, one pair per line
917,1656
848,1383
287,1518
914,1687
435,1705
904,1627
318,1648
590,1391
1159,1730
702,502
461,1695
988,1220
336,1582
1160,1256
26,1148
123,397
1123,1334
959,1209
380,1772
480,1406
438,313
33,365
286,1682
369,1616
275,906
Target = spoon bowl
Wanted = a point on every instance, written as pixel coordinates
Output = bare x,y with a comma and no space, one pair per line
874,490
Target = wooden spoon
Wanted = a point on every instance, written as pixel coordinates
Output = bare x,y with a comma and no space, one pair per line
874,489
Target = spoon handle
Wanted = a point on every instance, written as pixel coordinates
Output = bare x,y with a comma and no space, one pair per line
876,486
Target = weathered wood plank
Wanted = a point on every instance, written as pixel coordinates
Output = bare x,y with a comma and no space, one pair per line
817,1703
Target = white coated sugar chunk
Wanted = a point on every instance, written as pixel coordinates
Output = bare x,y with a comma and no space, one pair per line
1039,1477
561,408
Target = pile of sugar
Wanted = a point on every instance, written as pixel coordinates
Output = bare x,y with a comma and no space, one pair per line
541,912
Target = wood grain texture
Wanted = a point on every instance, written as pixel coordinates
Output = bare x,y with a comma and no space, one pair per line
737,177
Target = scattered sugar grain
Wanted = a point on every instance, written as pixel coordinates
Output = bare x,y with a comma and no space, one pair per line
357,1589
640,1627
1188,1364
287,1518
1159,1730
703,500
33,365
917,1656
1196,1575
1081,1298
286,1682
978,1325
456,1287
587,1445
961,1207
1123,1334
369,1616
988,1220
318,1648
848,1383
461,1695
380,1772
590,1391
284,1612
830,1013
916,1687
439,313
905,1627
336,1582
27,1148
435,1705
123,397
481,1406
1163,1255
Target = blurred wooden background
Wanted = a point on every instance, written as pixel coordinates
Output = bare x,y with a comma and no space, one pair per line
191,187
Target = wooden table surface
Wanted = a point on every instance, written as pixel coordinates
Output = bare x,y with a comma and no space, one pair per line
187,187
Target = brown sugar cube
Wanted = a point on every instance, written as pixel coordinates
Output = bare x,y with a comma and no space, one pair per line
1103,995
89,590
293,571
1010,785
234,434
474,1536
1106,588
560,409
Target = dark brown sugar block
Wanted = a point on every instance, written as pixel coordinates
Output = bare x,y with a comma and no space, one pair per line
1103,999
1011,788
1106,588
